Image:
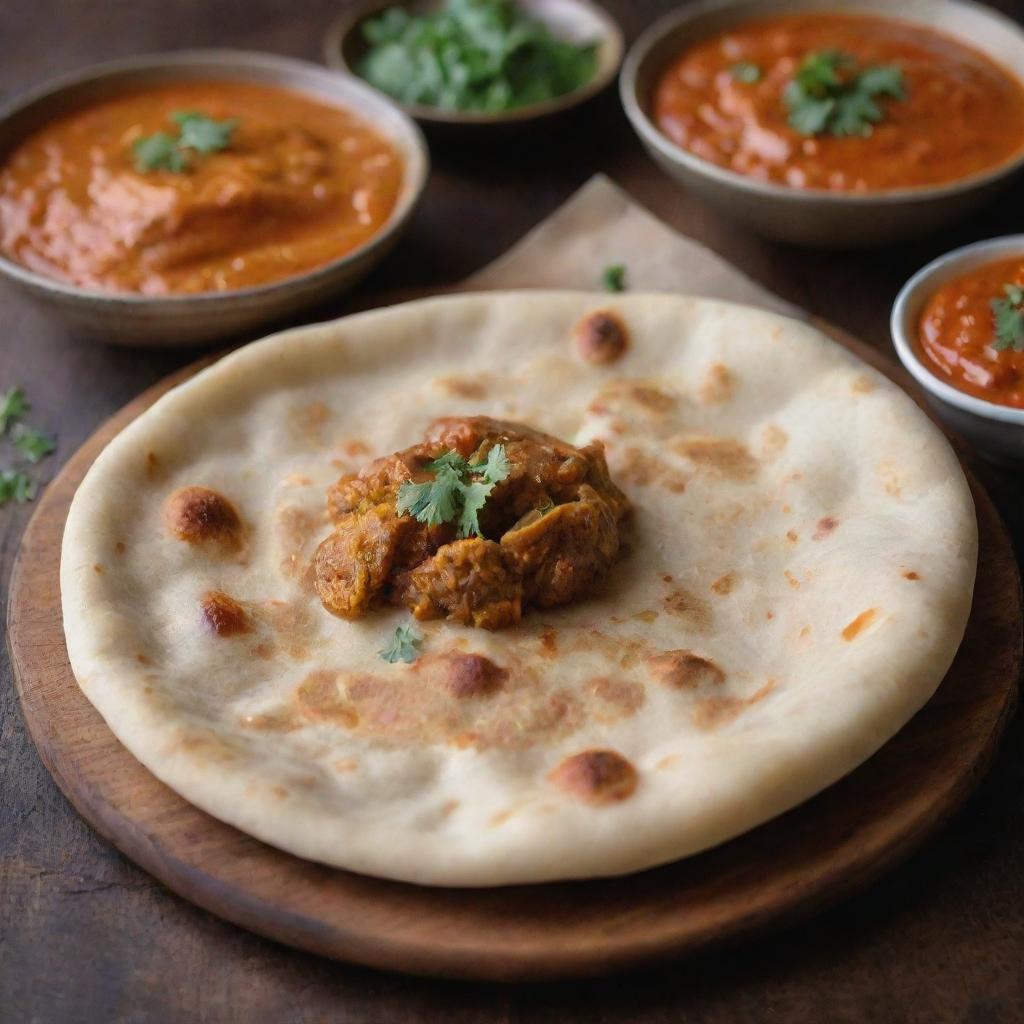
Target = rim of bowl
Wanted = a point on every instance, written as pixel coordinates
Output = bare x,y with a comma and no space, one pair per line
349,20
907,307
650,134
418,168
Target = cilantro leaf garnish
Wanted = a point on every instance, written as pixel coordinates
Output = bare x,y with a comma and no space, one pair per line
196,133
202,133
158,152
474,497
1008,315
480,55
13,405
613,279
404,646
831,95
495,469
457,493
32,444
745,71
16,486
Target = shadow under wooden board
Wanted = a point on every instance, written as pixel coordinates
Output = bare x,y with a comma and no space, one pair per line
813,856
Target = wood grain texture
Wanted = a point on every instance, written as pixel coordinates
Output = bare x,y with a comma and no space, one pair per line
87,936
806,859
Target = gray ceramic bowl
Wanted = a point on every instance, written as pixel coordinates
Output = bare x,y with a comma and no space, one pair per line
997,431
816,217
131,319
576,20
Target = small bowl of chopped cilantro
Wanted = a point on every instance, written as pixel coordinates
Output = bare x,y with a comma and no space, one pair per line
474,62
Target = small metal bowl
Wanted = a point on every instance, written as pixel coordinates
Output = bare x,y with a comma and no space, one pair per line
817,217
156,321
578,21
997,431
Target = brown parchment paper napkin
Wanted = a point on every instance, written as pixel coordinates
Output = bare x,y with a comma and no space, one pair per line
600,224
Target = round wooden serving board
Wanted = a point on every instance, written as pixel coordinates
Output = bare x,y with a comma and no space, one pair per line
810,857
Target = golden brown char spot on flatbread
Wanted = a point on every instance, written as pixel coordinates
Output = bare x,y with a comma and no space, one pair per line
646,615
549,642
143,659
294,528
862,385
199,515
667,761
204,745
154,467
890,479
859,624
448,808
684,670
501,817
718,385
356,447
825,526
596,777
281,720
465,676
791,579
474,386
601,337
792,536
722,456
642,469
623,695
280,792
348,765
292,623
119,548
710,712
631,396
222,615
725,584
309,421
264,650
909,574
686,605
319,698
773,441
98,569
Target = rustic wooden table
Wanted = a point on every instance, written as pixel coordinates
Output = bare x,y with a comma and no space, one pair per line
86,936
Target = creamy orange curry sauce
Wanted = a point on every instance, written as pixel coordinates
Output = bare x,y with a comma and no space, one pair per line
971,332
725,100
299,184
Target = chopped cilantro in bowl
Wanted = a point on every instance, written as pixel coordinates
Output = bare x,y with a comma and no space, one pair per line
479,56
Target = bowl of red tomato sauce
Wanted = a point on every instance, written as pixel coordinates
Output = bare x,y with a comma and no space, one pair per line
958,328
832,124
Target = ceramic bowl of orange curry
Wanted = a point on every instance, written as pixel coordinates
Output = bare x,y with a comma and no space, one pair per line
832,123
177,199
958,328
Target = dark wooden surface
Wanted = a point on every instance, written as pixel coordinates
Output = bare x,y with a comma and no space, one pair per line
86,936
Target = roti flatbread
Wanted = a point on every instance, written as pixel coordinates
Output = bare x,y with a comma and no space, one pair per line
794,578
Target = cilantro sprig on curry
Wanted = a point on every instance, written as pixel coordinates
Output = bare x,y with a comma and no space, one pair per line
839,101
476,523
197,133
971,332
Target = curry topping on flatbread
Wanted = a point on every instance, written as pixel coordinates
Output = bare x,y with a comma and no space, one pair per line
526,520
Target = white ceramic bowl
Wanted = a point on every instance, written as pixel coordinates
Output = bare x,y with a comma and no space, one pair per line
153,321
817,217
997,431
